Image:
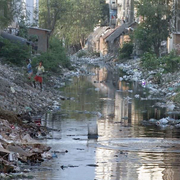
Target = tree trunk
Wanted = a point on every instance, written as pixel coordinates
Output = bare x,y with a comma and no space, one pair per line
49,16
157,48
82,42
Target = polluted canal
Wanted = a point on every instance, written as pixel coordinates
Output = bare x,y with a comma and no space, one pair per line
104,133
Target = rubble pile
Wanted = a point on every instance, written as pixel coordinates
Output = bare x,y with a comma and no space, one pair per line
17,95
18,146
20,115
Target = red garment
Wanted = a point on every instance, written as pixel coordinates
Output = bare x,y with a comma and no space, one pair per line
38,78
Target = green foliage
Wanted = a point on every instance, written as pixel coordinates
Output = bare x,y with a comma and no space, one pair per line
71,20
6,13
169,63
149,61
104,13
9,10
23,30
155,26
33,38
55,57
14,53
81,54
143,38
97,54
176,98
126,51
82,19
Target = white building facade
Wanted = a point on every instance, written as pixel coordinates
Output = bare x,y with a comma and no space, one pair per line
32,7
29,9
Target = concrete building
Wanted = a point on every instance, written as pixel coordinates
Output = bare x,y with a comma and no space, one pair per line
121,11
112,12
30,9
174,40
109,39
93,43
42,42
125,11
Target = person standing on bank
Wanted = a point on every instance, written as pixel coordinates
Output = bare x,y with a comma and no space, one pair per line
38,77
29,71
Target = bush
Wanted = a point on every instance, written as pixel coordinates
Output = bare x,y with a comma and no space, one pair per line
176,98
13,52
149,61
54,57
126,51
170,62
97,54
81,53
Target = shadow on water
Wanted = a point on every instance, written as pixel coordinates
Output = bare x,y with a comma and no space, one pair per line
124,150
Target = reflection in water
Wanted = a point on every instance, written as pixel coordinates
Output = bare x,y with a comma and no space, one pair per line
125,150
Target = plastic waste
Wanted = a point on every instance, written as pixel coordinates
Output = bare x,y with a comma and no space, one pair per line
143,83
137,96
12,90
162,121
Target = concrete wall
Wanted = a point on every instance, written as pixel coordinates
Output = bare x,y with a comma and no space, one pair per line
124,39
173,43
43,38
103,47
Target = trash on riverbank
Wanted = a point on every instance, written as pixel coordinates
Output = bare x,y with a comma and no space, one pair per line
164,122
17,145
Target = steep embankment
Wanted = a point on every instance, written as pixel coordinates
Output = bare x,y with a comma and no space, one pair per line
18,96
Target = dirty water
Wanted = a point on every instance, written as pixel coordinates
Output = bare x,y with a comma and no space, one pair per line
124,149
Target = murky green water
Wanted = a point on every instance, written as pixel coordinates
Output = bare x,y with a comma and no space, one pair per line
124,150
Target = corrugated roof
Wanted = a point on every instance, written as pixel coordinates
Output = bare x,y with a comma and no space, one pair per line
117,32
107,33
94,36
100,32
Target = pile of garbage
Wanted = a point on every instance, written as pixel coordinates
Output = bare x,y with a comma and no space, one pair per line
166,122
19,145
166,87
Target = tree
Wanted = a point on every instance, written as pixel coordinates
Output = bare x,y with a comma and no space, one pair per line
71,20
104,13
6,13
10,10
50,12
155,26
80,21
